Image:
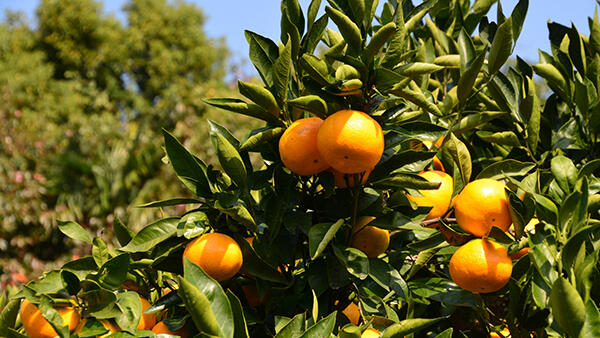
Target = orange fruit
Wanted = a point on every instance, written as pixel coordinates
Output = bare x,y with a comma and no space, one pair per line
350,141
371,240
481,205
342,182
37,326
439,198
370,333
481,266
252,296
217,254
505,333
110,326
161,327
352,313
298,147
147,321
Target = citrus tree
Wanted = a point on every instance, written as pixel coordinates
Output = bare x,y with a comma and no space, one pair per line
408,183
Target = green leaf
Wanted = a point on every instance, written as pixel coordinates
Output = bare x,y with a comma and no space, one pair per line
588,168
240,214
199,308
289,31
152,234
349,29
74,230
378,40
315,68
8,317
416,96
564,172
518,17
122,232
81,267
241,107
294,328
263,53
240,329
475,120
113,273
259,95
568,308
355,261
189,171
577,50
349,331
467,79
313,10
256,266
100,251
417,68
320,235
555,78
409,326
531,109
506,168
387,277
281,72
507,138
170,202
229,158
466,51
591,326
501,46
448,61
262,137
52,316
395,47
358,9
322,328
407,181
311,103
131,311
456,151
219,303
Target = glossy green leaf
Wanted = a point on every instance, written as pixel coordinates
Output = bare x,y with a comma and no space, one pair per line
406,181
553,76
507,138
281,72
240,329
501,46
313,10
467,79
170,202
322,328
591,326
506,168
199,308
387,277
531,109
259,95
240,214
320,235
378,40
564,172
256,266
189,171
241,107
349,331
456,151
229,158
52,316
310,103
260,138
568,308
518,17
289,31
396,46
409,326
315,33
355,261
315,67
152,234
131,311
349,29
417,68
8,316
294,328
122,232
219,303
475,120
114,272
74,230
263,53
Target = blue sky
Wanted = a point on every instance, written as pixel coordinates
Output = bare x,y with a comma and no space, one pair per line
229,18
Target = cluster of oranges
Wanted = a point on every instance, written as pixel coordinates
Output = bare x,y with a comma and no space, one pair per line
37,326
347,142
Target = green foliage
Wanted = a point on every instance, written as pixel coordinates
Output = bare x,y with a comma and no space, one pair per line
427,76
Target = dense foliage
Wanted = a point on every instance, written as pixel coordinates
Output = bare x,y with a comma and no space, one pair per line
436,70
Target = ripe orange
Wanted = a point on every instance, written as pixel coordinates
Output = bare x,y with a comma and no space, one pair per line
342,182
350,141
370,333
217,254
352,313
37,326
161,327
481,266
439,198
147,321
481,205
505,333
298,147
371,240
